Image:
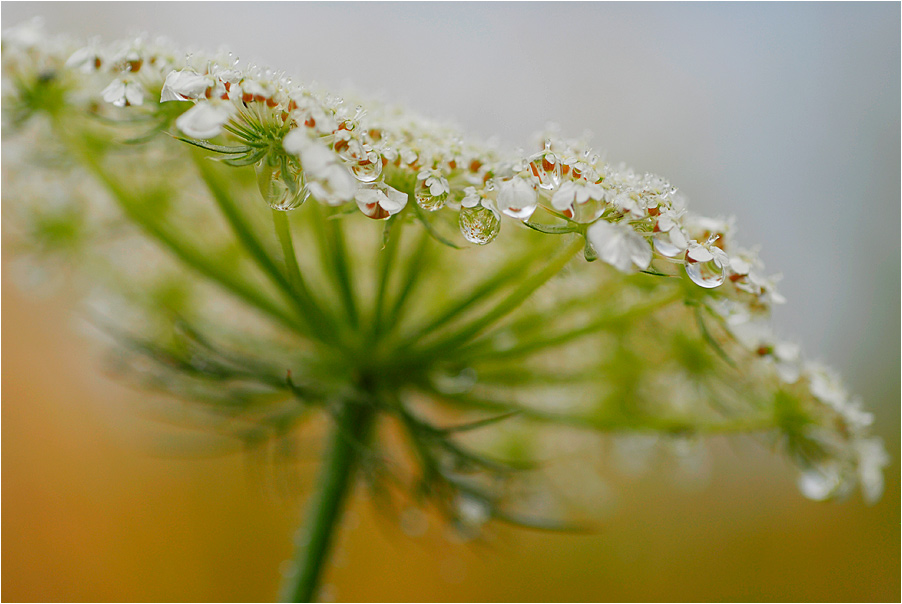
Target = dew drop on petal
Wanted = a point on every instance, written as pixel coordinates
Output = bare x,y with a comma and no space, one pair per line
520,213
279,194
479,224
367,169
545,169
425,198
706,274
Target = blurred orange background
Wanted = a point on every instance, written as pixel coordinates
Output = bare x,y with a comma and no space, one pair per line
92,511
785,115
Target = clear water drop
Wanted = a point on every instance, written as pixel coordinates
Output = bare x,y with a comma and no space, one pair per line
425,198
706,274
520,213
479,224
281,193
369,168
545,168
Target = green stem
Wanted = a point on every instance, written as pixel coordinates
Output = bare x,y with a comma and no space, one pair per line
353,425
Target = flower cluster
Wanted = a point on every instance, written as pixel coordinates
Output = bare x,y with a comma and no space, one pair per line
303,143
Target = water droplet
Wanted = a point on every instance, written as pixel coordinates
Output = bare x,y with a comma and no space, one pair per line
479,224
520,213
369,168
545,168
430,194
706,274
281,193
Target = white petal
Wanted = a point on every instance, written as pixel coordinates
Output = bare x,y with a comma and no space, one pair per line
183,85
700,254
115,93
204,120
563,197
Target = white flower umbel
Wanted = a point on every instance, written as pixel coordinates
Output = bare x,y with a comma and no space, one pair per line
322,311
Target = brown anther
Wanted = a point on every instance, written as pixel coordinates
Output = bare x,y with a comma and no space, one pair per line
225,96
737,277
375,134
452,164
135,65
547,165
271,103
97,62
656,229
259,98
568,212
292,105
654,211
247,97
565,169
763,351
208,92
310,122
384,161
475,165
228,86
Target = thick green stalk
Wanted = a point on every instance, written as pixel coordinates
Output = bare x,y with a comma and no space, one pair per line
353,425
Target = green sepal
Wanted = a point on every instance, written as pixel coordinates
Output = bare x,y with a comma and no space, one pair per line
247,160
227,150
553,229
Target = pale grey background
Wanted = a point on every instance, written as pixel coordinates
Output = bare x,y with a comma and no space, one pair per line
784,115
